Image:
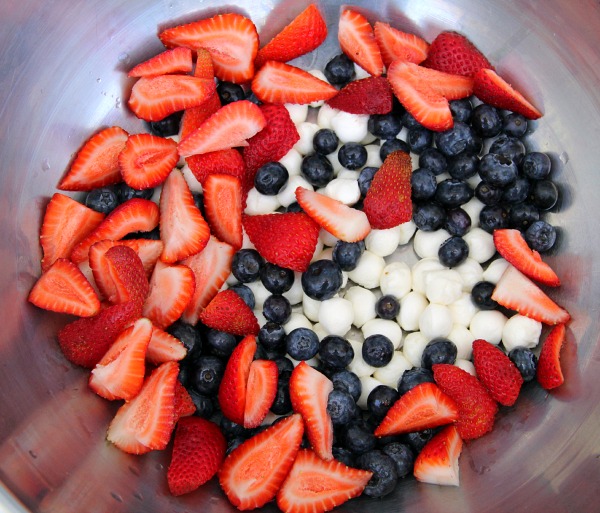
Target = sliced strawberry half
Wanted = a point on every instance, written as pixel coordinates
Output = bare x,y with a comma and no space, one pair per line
175,60
231,126
452,52
397,45
184,405
222,162
371,95
223,207
344,222
437,463
277,82
309,391
549,373
183,230
357,40
253,472
317,485
164,347
63,288
171,289
97,162
422,407
230,38
261,390
120,372
228,312
194,116
204,64
517,292
154,98
451,87
148,250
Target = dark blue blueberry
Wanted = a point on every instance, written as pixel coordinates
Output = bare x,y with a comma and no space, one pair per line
302,344
419,139
325,141
245,293
205,406
230,429
377,350
285,367
339,70
348,381
457,139
434,160
464,166
294,207
403,457
336,352
234,443
229,92
246,265
522,216
166,127
423,184
540,236
452,193
516,192
352,156
525,360
385,475
251,97
413,377
510,147
380,400
392,145
208,373
487,193
418,439
453,251
347,254
458,222
385,126
272,336
188,335
103,200
199,202
493,217
462,110
486,120
498,170
151,235
429,216
408,120
536,165
343,455
322,279
341,407
277,308
544,194
270,178
481,295
387,307
219,343
276,279
358,437
317,170
438,350
124,192
282,404
514,125
365,178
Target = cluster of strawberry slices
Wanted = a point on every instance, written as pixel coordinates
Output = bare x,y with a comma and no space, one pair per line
127,291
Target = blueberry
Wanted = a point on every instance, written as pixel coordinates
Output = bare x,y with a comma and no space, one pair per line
343,455
458,222
317,170
464,166
384,126
325,141
510,147
434,160
270,178
461,110
188,335
336,352
413,377
199,202
341,407
208,373
387,307
486,120
429,217
423,184
125,193
234,443
272,336
380,400
205,406
418,439
377,350
151,235
230,429
251,97
540,236
408,120
385,476
392,145
481,295
358,437
166,127
294,207
219,343
492,218
245,293
277,308
365,178
103,200
438,350
322,279
339,70
403,457
457,139
282,404
229,92
514,125
452,193
246,265
302,344
487,193
347,254
348,381
544,194
352,156
522,216
284,367
498,170
536,165
276,279
525,360
419,139
454,251
516,192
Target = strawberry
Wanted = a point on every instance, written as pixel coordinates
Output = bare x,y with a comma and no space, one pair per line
229,127
232,390
171,289
344,222
497,372
63,288
304,34
490,88
222,162
317,485
120,372
148,250
261,390
204,65
183,230
253,472
97,162
228,312
452,52
194,116
371,95
231,39
358,42
549,373
146,422
85,341
176,60
277,82
513,247
183,405
309,390
135,215
65,223
388,202
437,463
198,451
164,347
223,207
147,160
517,292
397,45
476,407
288,240
155,98
422,407
451,87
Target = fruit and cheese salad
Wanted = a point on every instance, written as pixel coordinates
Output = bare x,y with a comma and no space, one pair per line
239,271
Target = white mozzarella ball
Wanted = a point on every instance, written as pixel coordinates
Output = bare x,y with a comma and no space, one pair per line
297,320
355,335
358,364
335,163
427,244
246,242
327,238
407,230
231,280
369,139
318,251
463,310
363,303
287,194
325,115
344,279
311,307
420,270
368,271
373,157
360,72
368,384
260,318
390,374
521,331
495,270
414,345
463,340
192,181
260,293
488,325
336,316
350,127
326,254
471,272
297,112
385,327
481,245
307,131
294,295
473,207
321,76
157,193
344,190
383,242
443,286
258,203
348,174
313,362
466,365
435,321
396,280
411,307
320,331
292,161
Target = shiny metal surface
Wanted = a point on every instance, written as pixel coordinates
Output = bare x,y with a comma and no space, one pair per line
61,77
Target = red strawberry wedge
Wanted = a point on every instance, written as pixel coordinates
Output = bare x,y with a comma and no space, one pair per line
164,347
451,87
517,292
261,390
228,312
344,222
204,64
193,117
198,451
357,41
549,372
229,127
437,463
317,485
184,405
422,407
309,390
277,82
371,95
223,206
176,60
397,45
513,247
97,162
222,162
253,472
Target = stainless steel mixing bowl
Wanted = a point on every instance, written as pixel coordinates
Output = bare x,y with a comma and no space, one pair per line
62,67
